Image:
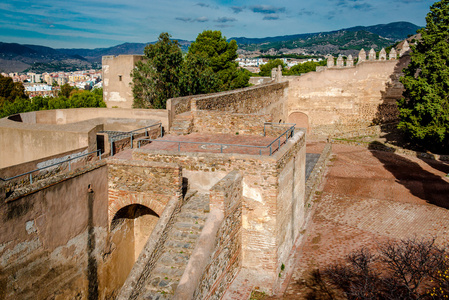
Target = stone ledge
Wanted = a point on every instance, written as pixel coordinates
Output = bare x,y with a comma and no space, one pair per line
42,184
141,163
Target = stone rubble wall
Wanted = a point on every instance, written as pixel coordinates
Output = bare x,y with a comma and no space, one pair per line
226,259
269,99
207,121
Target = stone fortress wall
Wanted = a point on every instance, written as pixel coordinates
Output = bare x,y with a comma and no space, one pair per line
59,235
345,97
257,201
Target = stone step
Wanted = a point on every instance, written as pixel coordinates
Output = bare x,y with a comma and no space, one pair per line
168,271
169,268
192,216
179,244
187,226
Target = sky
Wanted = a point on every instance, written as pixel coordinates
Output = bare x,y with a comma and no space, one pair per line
105,23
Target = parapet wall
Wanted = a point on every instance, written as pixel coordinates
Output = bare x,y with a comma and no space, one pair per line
226,258
36,135
74,115
42,255
268,99
207,121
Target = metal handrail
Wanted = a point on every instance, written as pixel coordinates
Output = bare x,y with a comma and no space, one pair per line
113,138
288,134
52,165
276,124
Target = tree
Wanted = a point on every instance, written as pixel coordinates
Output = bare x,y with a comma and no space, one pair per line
10,90
208,67
198,77
78,99
157,78
406,269
424,108
65,90
265,70
306,67
219,57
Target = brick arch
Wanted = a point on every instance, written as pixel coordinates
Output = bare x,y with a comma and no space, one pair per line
121,199
132,211
300,119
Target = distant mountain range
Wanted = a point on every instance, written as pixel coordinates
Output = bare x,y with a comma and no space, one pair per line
33,58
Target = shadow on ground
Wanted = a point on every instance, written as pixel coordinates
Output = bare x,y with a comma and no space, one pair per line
420,182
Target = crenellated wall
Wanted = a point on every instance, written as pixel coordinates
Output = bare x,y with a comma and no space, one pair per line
346,97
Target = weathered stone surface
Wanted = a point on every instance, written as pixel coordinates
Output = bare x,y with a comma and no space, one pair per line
362,56
345,99
372,55
330,61
138,182
55,241
383,54
273,190
267,99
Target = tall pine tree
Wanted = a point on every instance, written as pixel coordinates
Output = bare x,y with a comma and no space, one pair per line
424,109
157,78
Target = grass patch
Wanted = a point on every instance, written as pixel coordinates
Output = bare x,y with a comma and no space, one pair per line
258,295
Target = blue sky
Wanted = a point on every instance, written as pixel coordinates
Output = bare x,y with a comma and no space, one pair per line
105,23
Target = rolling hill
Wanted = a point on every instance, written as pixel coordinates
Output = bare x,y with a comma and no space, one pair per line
33,58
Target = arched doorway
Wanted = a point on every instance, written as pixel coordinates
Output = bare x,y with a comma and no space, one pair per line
138,218
300,119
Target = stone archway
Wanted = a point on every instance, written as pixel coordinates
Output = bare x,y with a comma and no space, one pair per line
300,119
140,219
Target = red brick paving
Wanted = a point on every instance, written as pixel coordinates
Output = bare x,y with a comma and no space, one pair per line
368,197
229,139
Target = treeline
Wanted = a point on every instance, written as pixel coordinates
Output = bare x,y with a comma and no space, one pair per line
310,66
294,56
13,99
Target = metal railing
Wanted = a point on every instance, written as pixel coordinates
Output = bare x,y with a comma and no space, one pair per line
287,133
131,135
69,160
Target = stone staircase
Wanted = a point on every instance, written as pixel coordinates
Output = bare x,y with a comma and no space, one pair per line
167,272
183,124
